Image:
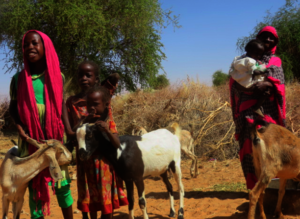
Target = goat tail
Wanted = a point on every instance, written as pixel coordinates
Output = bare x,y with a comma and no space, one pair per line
176,129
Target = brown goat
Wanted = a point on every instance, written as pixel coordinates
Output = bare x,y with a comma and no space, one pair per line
188,147
276,153
137,130
16,172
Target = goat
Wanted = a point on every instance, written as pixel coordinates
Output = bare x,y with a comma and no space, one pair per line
137,130
15,172
276,153
187,146
137,158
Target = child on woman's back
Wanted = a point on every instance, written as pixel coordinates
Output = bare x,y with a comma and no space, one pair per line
247,69
95,192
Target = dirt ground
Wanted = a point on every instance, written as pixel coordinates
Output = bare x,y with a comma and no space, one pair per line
202,200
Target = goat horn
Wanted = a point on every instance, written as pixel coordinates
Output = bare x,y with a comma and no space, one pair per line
33,142
91,124
13,141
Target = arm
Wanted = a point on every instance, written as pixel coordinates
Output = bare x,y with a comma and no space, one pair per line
66,121
13,111
113,137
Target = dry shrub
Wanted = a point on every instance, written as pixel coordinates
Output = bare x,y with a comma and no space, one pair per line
196,107
4,114
293,107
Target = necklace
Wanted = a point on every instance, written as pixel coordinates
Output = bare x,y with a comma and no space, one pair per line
37,76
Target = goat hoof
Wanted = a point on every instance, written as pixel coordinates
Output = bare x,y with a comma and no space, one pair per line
180,217
279,215
172,213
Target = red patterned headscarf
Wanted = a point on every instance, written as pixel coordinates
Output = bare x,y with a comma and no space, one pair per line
273,31
53,109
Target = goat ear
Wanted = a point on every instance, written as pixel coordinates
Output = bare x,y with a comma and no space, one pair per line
33,142
54,168
48,142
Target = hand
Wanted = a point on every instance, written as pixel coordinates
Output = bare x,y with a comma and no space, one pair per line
261,86
102,126
258,72
70,134
22,133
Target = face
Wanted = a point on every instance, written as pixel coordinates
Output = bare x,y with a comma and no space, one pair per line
86,76
257,54
95,105
268,39
33,47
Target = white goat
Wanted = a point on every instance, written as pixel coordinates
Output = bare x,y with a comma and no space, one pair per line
15,172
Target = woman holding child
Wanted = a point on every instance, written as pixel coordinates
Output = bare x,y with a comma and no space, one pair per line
244,101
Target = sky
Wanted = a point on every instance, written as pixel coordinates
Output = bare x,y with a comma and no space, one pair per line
205,43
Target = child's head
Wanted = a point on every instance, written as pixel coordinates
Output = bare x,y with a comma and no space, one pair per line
255,49
88,75
98,99
33,47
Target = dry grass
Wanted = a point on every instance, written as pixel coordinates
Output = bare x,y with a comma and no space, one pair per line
205,109
293,107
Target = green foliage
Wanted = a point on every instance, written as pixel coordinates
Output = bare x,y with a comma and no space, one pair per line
161,81
286,21
121,36
219,78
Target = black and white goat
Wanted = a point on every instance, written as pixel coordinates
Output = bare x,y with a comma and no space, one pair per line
138,157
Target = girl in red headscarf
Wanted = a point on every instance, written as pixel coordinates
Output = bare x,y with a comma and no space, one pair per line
36,107
243,99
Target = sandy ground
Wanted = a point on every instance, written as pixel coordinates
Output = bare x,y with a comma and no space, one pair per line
201,201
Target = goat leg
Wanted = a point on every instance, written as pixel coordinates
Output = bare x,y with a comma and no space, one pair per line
5,206
281,191
261,205
253,197
177,176
169,187
130,197
17,207
196,167
142,200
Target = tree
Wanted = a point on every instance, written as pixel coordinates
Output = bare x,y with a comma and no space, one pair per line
219,78
286,22
160,82
121,36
